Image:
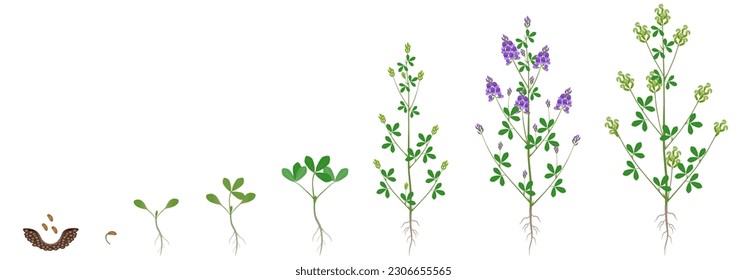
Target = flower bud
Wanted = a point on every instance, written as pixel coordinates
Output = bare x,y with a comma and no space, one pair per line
479,128
406,185
626,82
720,127
527,22
575,140
407,48
509,91
434,130
444,165
377,164
391,72
680,36
673,157
500,145
557,149
524,174
662,15
654,81
403,75
420,75
613,125
642,32
701,94
547,102
382,118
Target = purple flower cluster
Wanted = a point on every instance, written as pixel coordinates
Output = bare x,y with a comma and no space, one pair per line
492,90
523,103
543,59
479,128
564,101
509,50
575,140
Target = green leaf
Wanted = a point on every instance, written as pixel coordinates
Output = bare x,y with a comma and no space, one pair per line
238,195
696,185
301,172
309,163
635,175
173,202
560,189
504,157
238,183
638,146
288,175
553,192
341,175
227,184
140,204
628,172
248,197
212,198
558,182
323,162
325,177
380,191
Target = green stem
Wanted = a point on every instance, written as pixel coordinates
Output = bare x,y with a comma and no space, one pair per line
643,111
547,133
386,181
671,140
321,230
510,122
664,108
426,194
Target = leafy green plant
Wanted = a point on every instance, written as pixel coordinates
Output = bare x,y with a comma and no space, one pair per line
413,150
231,209
173,202
323,172
651,116
532,137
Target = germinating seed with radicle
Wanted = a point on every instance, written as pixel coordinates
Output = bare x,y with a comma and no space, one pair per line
651,116
231,209
323,172
173,202
519,122
414,150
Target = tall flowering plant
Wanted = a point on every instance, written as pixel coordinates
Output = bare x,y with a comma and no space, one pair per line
651,112
401,140
531,125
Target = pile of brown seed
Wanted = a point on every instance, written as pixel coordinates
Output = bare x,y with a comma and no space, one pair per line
67,237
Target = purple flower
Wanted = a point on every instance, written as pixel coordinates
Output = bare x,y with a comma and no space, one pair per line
492,90
531,80
524,174
523,103
564,101
547,102
535,127
509,91
557,149
479,129
543,59
523,53
575,140
527,22
508,49
500,145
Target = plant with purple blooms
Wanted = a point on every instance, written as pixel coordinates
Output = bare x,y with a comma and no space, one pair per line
413,151
520,121
651,111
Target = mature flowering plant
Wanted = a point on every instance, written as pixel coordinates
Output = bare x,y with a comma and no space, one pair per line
532,136
412,151
651,111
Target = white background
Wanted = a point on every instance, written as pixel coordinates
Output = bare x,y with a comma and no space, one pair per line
104,102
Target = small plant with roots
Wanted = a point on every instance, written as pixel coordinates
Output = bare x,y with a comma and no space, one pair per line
231,209
412,151
651,112
157,214
537,125
323,172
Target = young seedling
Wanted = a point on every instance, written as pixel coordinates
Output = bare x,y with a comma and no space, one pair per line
173,202
413,152
532,137
242,198
322,171
652,106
